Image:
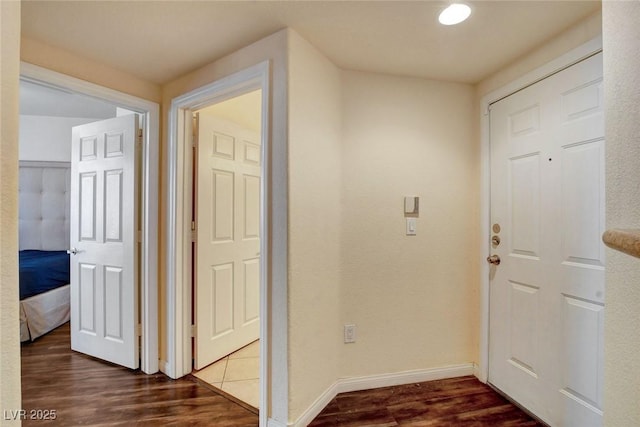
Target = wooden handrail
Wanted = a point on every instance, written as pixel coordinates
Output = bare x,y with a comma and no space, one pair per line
627,241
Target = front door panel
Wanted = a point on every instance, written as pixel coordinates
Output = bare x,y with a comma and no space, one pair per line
547,294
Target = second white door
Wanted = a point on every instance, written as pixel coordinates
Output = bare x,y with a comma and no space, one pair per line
228,186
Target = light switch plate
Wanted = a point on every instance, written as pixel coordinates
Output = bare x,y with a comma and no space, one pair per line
349,333
412,225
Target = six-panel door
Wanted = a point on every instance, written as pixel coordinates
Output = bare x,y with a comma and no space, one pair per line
104,278
547,295
227,296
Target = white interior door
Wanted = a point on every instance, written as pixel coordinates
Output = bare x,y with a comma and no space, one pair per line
227,291
104,267
547,208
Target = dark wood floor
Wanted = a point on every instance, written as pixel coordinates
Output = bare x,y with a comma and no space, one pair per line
455,402
86,391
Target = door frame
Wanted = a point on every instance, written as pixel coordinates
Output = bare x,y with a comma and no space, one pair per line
179,293
149,348
570,58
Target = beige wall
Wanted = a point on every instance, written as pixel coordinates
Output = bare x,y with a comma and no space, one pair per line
315,332
621,36
414,299
358,143
9,335
65,62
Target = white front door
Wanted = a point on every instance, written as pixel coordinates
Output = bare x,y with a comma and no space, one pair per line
547,209
227,290
104,218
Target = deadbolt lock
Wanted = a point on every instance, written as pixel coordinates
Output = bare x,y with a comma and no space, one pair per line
495,240
493,259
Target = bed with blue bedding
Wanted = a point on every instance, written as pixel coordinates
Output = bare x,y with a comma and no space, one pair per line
42,271
44,201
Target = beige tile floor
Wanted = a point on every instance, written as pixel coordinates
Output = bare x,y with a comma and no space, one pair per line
237,374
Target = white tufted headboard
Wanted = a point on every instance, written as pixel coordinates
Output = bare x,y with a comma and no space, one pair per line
44,193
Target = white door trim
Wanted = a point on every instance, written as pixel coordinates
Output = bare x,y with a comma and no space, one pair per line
149,201
178,286
584,51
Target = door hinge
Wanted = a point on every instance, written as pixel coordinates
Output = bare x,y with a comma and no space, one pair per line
140,136
139,236
193,231
139,329
193,331
194,131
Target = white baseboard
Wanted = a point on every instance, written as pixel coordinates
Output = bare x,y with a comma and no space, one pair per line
274,423
344,385
408,377
478,373
162,365
316,407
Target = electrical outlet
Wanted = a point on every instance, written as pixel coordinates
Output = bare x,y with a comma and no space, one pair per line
349,334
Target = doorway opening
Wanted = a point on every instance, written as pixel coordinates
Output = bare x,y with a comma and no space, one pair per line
48,87
180,204
226,221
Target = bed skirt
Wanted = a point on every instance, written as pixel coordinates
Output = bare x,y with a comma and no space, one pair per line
42,313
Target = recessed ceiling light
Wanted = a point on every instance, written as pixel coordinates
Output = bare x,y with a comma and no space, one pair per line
454,14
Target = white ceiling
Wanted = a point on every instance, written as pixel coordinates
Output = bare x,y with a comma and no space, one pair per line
160,41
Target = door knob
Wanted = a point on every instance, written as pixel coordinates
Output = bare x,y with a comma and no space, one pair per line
72,251
493,259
